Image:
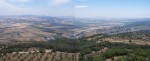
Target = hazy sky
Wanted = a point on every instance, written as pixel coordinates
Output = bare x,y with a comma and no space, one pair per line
78,8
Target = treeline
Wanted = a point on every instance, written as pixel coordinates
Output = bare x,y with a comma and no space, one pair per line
140,35
63,45
127,55
133,35
131,52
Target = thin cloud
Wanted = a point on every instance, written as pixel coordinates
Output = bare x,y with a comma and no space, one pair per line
81,6
4,4
59,2
19,1
8,7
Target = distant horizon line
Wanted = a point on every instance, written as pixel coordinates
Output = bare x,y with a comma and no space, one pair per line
85,17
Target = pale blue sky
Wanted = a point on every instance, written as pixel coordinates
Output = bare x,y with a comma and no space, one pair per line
78,8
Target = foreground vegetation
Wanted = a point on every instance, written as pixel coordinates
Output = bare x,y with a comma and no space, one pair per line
130,52
123,55
85,48
50,56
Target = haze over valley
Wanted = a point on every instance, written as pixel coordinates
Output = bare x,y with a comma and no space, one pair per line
45,28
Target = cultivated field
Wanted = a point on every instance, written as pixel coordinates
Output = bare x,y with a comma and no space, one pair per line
48,56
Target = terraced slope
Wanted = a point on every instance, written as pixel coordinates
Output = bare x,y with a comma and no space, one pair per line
49,56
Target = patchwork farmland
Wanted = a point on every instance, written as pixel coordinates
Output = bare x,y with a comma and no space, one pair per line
36,56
